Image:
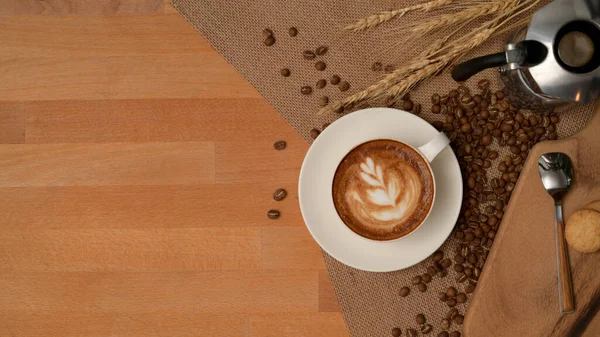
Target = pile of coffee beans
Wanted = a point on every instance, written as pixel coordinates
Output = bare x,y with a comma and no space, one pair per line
491,139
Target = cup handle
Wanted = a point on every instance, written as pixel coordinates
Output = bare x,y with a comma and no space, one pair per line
434,147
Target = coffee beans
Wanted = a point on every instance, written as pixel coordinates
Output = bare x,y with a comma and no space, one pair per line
279,194
451,302
420,319
285,72
422,287
323,101
273,214
396,332
443,297
321,84
322,50
461,298
279,145
306,90
483,84
320,65
404,291
314,133
458,319
309,55
443,334
416,280
407,105
293,31
451,292
335,80
344,86
427,328
416,108
269,41
426,278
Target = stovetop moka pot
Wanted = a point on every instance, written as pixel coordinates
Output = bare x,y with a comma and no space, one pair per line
553,62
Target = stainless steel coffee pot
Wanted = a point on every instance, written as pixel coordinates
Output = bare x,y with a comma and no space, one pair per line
553,62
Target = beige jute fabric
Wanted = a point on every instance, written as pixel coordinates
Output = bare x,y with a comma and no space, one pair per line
369,301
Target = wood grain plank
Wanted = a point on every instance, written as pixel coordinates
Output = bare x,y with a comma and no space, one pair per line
75,323
12,123
134,77
139,207
327,300
311,325
106,164
290,248
246,119
50,7
244,162
176,249
27,36
135,293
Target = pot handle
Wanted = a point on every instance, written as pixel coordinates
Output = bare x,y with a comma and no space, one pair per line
465,70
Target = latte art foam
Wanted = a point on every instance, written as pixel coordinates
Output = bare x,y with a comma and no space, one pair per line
383,189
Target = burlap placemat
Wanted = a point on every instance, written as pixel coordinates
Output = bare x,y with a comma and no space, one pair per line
369,301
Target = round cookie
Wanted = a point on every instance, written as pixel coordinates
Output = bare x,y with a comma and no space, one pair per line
582,231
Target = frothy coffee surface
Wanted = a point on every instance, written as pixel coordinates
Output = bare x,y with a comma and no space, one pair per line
383,189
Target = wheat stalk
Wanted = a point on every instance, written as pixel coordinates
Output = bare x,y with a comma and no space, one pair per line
379,18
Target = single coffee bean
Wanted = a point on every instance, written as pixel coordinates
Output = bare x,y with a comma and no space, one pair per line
320,65
306,90
285,72
427,328
443,297
416,280
459,258
273,214
465,128
431,271
499,94
321,84
483,84
451,313
422,287
444,109
442,273
309,55
335,80
461,278
404,291
407,105
323,101
321,50
279,194
446,263
463,90
455,334
554,119
293,31
436,108
444,333
279,145
344,86
269,41
533,120
314,133
553,136
466,98
420,319
451,302
453,93
451,291
458,319
396,332
461,298
416,108
515,149
469,289
267,32
426,278
458,268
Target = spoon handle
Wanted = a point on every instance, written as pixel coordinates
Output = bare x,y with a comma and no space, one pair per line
565,288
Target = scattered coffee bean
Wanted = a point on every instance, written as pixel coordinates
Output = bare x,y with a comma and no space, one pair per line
451,302
314,133
285,72
416,108
321,50
306,90
451,313
442,273
461,298
279,145
420,319
280,194
320,65
323,101
321,84
344,86
469,289
426,278
293,31
443,333
269,41
407,105
416,280
267,32
404,291
396,332
335,80
461,278
458,319
273,214
427,328
455,334
483,84
309,55
431,271
437,256
422,287
451,291
443,297
377,66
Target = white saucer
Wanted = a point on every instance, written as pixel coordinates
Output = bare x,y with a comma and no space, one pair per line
316,202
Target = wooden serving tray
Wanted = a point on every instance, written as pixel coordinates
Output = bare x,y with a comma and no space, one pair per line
517,294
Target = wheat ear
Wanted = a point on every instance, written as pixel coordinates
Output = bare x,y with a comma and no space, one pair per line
379,18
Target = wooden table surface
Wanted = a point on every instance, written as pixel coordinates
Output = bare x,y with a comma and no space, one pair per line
136,171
